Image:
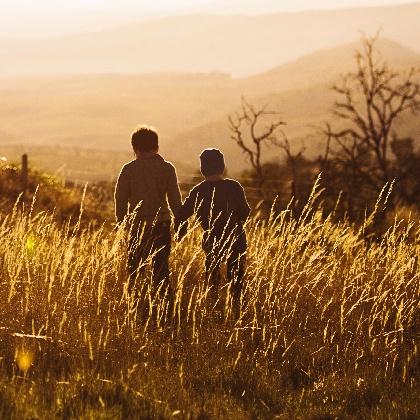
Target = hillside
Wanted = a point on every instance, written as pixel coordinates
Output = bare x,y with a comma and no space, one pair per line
190,110
205,43
101,111
324,65
301,93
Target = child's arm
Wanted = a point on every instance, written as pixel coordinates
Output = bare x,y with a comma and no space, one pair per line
174,194
243,206
184,213
122,195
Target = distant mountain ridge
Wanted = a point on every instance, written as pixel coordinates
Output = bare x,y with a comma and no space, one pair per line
235,44
323,65
273,6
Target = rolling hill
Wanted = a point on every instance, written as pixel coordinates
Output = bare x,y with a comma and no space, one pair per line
190,110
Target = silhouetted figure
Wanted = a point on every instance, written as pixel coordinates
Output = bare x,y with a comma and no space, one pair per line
144,189
222,209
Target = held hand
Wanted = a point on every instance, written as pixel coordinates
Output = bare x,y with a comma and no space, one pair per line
180,231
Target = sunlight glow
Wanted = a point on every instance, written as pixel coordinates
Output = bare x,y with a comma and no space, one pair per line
24,18
24,359
186,5
30,244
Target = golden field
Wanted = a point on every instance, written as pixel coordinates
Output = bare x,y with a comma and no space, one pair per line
329,324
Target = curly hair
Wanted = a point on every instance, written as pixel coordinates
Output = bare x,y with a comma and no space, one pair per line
145,139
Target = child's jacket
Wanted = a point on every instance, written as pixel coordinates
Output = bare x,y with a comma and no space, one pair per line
151,184
221,208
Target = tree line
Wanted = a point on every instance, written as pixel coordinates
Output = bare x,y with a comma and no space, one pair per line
363,152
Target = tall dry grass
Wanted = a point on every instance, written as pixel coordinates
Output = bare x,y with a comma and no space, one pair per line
329,324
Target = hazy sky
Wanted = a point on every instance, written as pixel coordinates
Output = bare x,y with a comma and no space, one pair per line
162,5
51,17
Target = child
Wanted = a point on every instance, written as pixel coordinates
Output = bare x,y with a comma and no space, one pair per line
144,188
222,209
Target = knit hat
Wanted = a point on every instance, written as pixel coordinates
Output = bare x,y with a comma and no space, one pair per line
212,162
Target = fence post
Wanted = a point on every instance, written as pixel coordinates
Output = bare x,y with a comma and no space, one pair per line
293,192
24,174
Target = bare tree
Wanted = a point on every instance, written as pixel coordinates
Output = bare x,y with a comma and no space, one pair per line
292,160
251,135
370,102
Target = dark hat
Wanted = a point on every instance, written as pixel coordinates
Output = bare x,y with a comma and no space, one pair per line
212,162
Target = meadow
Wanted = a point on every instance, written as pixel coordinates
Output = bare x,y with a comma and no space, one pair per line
328,327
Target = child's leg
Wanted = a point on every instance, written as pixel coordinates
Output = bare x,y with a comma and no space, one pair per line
160,266
161,249
236,264
133,260
138,252
212,270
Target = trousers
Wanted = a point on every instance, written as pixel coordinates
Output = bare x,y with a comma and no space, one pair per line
234,253
150,240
